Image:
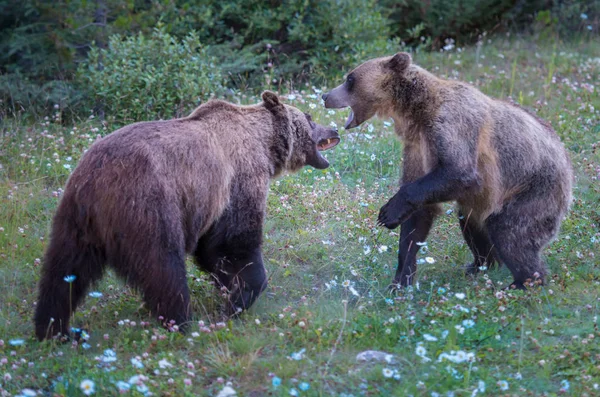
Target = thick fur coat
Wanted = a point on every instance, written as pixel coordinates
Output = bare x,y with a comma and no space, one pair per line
147,194
506,168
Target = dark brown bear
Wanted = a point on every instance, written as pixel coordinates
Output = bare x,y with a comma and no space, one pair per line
150,192
506,169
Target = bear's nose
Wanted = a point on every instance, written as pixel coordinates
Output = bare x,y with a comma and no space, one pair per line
324,96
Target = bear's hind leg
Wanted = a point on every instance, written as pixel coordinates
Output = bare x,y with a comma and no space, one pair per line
478,242
69,267
160,275
237,267
519,233
235,262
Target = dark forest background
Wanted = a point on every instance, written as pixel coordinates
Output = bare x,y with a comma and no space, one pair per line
160,56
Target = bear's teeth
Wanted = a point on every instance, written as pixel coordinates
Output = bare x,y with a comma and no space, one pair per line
350,119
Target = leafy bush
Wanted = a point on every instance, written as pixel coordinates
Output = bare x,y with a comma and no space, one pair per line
280,42
141,77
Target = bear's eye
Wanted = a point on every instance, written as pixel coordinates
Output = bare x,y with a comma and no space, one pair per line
350,81
310,121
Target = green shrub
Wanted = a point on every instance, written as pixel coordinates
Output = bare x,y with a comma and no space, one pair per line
292,42
138,77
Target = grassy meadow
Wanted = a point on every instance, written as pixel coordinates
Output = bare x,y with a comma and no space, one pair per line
329,267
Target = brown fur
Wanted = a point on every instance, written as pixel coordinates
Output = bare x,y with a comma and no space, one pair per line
506,168
147,194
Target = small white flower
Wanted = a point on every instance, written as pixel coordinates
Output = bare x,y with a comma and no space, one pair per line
109,356
257,321
163,364
370,128
123,386
503,385
373,157
227,391
468,323
87,387
481,386
387,373
429,338
299,355
136,363
422,352
382,248
460,295
429,260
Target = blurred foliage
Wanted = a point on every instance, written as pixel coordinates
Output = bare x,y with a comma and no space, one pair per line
157,76
465,21
256,43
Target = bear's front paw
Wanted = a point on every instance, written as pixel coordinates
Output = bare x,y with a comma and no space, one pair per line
388,217
392,214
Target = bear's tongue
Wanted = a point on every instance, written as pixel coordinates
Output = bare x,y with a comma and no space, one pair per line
350,120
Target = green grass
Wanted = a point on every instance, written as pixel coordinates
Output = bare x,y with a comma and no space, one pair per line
320,232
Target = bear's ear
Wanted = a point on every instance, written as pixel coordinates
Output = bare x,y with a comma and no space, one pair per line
400,62
271,100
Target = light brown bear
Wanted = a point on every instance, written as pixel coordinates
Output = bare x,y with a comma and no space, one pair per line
147,194
506,168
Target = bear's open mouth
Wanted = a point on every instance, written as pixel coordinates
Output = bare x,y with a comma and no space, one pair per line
326,144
